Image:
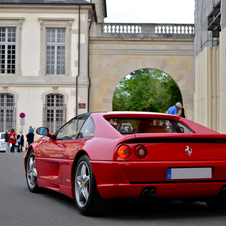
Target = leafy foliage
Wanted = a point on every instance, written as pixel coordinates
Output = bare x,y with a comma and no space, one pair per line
146,90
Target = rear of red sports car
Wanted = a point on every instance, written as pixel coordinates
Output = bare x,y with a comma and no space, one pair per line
170,158
97,157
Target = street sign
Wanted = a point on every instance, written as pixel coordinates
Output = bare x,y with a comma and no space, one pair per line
22,115
22,121
81,105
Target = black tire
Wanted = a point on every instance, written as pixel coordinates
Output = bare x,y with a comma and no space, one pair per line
87,198
31,172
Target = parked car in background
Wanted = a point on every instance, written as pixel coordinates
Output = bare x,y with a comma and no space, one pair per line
2,142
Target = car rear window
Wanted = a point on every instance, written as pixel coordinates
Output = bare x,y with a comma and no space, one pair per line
148,125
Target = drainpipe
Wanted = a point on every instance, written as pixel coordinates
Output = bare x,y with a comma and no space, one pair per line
89,61
76,108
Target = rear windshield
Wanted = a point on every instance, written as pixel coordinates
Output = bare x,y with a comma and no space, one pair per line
149,125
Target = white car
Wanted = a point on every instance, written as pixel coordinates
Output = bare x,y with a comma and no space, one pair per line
2,142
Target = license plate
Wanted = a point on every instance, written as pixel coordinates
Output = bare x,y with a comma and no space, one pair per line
189,173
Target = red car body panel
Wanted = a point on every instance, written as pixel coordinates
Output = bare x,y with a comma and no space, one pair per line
131,177
115,177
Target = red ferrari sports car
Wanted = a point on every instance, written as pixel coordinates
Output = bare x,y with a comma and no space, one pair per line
97,157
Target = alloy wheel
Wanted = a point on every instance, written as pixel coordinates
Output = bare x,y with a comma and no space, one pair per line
82,184
31,171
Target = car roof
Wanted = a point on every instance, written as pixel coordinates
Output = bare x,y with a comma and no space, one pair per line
127,112
135,114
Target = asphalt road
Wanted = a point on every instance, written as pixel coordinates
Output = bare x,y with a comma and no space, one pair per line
18,206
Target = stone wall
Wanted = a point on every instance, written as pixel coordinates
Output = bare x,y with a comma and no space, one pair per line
114,57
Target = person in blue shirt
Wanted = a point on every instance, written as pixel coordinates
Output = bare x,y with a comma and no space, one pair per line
30,136
31,130
175,110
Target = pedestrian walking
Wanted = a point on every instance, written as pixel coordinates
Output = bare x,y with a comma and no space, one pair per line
30,136
20,141
12,140
7,141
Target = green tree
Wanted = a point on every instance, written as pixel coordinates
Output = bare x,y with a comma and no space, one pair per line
146,90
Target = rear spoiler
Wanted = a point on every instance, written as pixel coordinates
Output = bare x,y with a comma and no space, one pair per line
177,138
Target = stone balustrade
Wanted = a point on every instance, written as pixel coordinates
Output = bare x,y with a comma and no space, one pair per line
121,28
175,29
131,28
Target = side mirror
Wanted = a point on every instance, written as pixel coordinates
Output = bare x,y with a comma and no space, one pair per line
44,131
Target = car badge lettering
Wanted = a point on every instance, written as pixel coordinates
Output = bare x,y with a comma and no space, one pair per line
188,150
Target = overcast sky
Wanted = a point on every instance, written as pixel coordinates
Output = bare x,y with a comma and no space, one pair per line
150,11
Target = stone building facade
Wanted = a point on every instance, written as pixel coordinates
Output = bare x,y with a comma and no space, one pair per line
115,54
210,64
58,59
44,60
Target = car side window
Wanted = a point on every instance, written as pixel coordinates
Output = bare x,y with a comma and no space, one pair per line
88,129
71,129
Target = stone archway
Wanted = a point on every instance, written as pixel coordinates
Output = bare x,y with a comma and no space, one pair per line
108,70
147,89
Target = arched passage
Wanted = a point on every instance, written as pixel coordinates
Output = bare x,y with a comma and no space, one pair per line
108,70
146,90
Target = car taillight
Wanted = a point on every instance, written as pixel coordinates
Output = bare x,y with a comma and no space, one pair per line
124,151
141,151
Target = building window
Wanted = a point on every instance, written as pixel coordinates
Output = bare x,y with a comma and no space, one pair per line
7,51
55,51
59,34
7,112
54,112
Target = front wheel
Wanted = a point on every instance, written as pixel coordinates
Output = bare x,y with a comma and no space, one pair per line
31,173
87,198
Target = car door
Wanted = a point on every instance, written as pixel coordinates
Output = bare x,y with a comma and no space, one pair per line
51,151
49,157
72,148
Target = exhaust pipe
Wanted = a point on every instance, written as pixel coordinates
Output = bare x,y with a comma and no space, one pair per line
149,192
152,192
145,192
